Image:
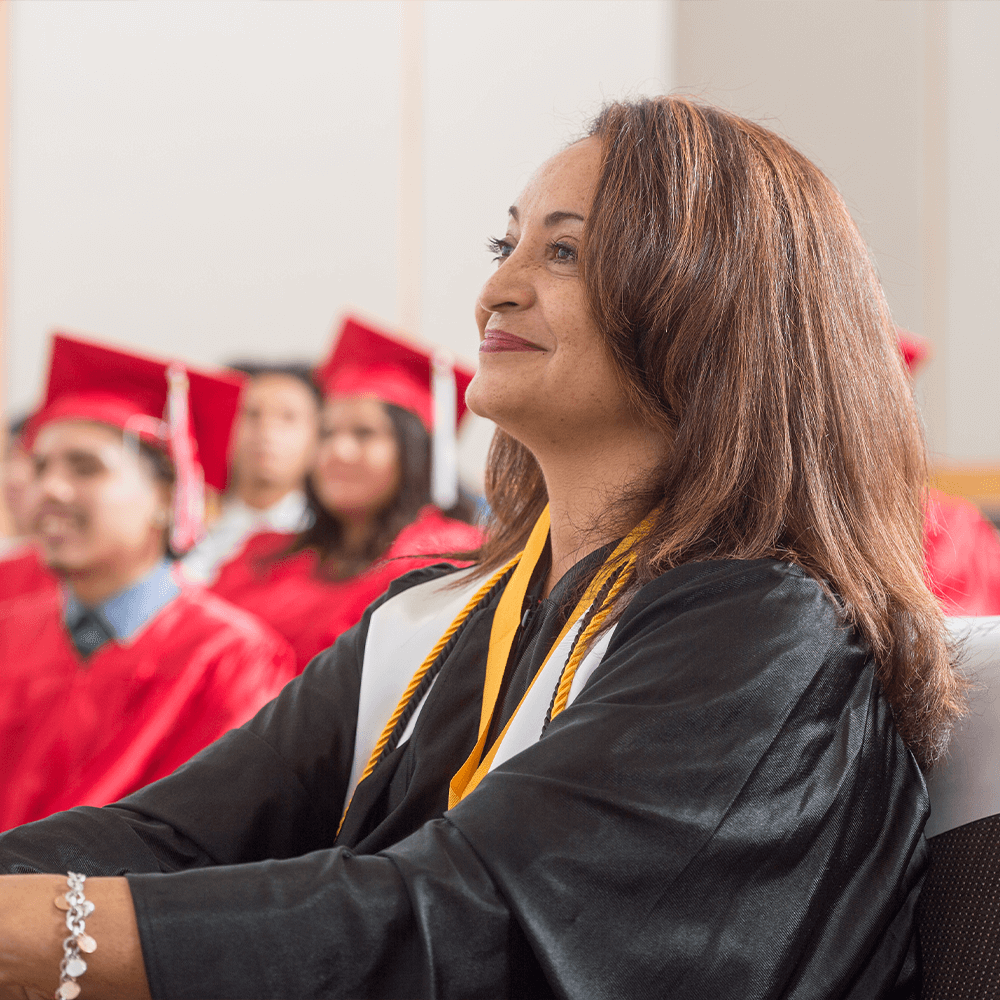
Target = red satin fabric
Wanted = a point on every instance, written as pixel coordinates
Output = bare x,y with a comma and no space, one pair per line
87,732
962,556
311,612
23,572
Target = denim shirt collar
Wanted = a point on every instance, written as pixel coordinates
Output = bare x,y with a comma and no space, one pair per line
127,611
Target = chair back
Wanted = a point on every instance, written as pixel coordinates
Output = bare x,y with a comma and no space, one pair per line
959,918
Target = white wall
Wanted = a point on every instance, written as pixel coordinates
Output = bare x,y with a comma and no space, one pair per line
201,179
508,83
216,180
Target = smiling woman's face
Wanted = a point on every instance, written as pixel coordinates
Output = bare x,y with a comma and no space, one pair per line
358,470
544,374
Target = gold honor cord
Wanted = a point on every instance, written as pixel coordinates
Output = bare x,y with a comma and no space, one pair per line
506,622
477,766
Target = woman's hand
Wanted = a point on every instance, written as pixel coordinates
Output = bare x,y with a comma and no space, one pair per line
32,931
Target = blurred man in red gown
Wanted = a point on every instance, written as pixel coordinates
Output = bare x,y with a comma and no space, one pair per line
120,674
274,446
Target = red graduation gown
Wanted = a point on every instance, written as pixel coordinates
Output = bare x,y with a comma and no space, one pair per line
23,572
311,612
962,556
88,732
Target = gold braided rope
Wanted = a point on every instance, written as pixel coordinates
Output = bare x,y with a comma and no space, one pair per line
583,643
419,676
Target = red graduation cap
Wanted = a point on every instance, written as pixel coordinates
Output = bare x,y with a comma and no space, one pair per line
366,361
914,349
187,413
425,380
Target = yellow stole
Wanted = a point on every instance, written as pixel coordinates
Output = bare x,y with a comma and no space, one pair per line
506,622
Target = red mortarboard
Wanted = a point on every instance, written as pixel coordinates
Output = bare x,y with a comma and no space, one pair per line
914,349
420,378
366,361
186,412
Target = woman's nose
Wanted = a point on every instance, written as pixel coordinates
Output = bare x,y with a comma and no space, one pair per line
344,447
508,288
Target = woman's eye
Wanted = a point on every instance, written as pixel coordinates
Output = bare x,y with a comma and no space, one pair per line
563,251
501,249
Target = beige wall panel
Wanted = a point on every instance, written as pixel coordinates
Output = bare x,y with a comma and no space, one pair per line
206,179
973,301
508,83
846,83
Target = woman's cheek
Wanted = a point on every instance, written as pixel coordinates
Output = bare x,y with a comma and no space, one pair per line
385,471
383,459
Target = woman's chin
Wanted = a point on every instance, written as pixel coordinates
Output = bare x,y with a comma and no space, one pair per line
497,400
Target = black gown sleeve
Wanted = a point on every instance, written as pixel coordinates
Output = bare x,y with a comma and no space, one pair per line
725,811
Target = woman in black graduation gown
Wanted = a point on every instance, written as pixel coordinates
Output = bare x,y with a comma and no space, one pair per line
666,736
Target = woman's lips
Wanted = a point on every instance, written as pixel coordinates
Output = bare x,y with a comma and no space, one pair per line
500,340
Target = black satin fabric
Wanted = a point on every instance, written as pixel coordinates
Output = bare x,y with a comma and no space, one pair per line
726,811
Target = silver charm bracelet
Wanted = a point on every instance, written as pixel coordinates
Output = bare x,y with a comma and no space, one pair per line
77,908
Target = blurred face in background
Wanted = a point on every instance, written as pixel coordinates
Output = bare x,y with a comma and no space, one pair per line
275,441
95,503
357,471
17,476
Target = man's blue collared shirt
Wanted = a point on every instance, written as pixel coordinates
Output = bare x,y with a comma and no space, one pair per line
127,611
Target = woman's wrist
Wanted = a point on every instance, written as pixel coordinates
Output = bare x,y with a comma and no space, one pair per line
33,928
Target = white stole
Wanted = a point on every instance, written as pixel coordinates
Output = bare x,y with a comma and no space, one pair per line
400,635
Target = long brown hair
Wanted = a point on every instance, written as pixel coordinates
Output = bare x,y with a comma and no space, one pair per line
748,326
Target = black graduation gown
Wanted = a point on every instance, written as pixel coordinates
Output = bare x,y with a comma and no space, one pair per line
725,811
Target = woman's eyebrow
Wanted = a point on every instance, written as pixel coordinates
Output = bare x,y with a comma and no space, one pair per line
552,219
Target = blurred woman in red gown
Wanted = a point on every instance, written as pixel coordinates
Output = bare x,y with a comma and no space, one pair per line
370,496
961,548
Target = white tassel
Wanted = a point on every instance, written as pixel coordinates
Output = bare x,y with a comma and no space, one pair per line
444,446
189,485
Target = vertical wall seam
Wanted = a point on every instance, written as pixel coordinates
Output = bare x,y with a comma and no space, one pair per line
934,223
411,174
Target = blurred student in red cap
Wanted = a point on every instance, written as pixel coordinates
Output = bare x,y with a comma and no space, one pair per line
385,470
119,675
274,447
961,548
21,568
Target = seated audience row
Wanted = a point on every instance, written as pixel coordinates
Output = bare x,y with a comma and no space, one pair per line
122,664
665,736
